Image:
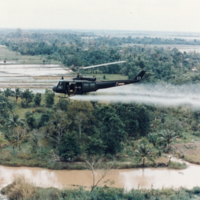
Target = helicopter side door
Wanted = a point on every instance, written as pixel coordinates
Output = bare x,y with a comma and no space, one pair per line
72,87
89,87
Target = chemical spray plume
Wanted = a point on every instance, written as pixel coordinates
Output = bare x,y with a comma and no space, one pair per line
163,95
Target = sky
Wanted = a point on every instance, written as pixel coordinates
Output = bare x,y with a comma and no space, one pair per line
139,15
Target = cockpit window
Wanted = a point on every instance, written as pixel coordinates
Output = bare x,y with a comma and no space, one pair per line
60,85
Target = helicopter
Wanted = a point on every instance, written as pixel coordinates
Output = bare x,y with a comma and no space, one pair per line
84,84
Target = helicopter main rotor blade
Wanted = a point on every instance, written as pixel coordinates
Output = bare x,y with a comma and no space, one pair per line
93,66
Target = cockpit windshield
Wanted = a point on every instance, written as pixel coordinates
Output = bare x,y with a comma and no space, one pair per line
60,85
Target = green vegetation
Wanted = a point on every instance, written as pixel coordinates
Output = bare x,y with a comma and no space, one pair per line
69,130
44,131
9,55
176,165
166,137
144,153
51,135
162,64
21,189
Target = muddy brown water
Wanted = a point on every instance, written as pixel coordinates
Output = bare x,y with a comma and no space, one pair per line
126,178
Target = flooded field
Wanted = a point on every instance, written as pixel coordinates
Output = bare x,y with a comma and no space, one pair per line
31,76
127,179
181,48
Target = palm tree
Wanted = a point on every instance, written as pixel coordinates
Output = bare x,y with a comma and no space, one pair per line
166,137
144,153
14,121
153,138
2,140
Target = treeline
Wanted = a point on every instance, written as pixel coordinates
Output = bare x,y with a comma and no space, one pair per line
71,129
116,41
161,64
47,133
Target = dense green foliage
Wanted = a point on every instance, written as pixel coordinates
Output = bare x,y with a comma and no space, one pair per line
69,147
60,132
49,98
37,99
27,97
20,189
79,127
161,64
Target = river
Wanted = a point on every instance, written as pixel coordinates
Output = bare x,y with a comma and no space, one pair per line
123,178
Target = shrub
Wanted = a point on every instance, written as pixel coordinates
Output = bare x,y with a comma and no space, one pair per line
63,104
49,98
37,99
196,190
28,114
20,189
40,110
176,165
27,97
31,121
23,104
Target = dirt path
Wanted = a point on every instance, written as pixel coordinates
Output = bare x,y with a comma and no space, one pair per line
188,151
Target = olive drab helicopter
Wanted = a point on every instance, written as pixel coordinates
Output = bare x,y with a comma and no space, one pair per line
83,84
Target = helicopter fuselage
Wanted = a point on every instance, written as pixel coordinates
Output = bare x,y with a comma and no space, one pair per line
82,85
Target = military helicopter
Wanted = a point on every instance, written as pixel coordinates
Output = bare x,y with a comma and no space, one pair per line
84,84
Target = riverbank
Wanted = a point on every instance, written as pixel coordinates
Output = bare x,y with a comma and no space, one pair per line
189,152
22,159
21,189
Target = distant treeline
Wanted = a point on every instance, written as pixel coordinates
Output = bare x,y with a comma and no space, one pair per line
115,41
162,64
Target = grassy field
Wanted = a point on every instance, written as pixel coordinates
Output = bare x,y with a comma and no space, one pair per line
8,55
21,111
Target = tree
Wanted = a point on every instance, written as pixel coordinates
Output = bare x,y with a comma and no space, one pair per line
95,163
44,119
27,97
49,98
14,121
36,137
69,147
153,138
144,122
3,140
166,137
95,146
17,93
144,153
128,114
37,99
5,109
8,92
63,104
16,136
111,129
58,125
81,112
31,121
